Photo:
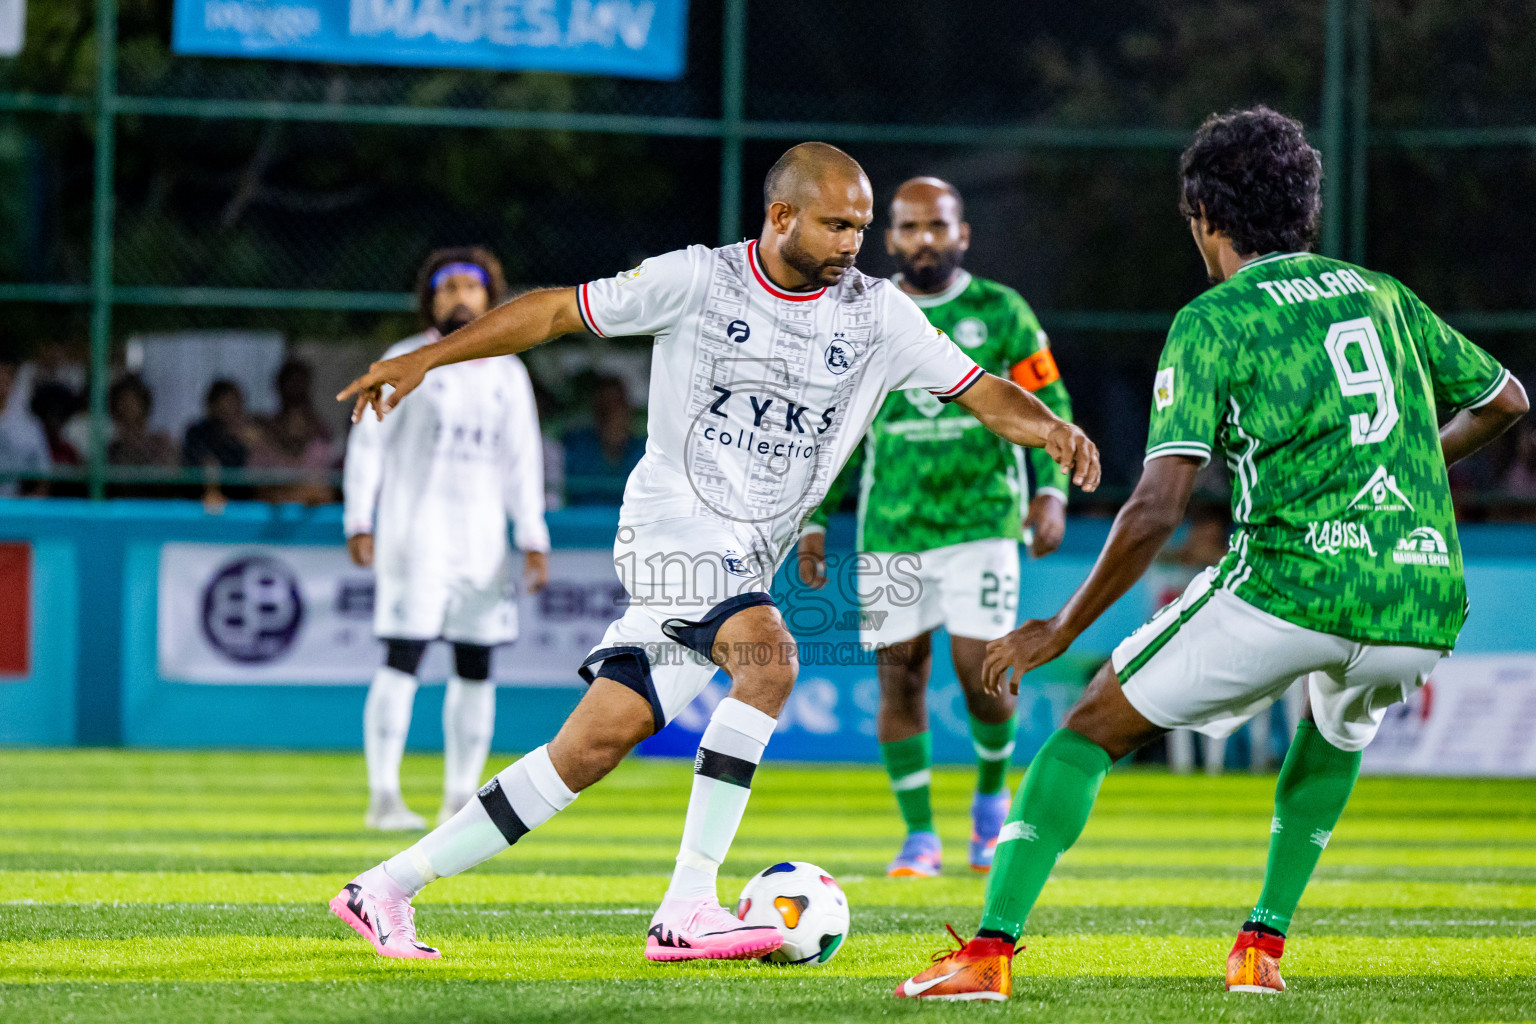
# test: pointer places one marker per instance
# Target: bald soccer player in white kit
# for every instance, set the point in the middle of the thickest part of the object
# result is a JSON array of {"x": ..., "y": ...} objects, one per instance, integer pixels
[
  {"x": 428, "y": 495},
  {"x": 770, "y": 360}
]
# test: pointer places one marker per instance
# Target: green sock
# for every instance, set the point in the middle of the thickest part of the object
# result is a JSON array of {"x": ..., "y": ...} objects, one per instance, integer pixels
[
  {"x": 1314, "y": 785},
  {"x": 1047, "y": 817},
  {"x": 994, "y": 748},
  {"x": 909, "y": 762}
]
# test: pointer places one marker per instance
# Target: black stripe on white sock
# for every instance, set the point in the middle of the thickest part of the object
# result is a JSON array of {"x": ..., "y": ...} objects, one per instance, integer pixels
[
  {"x": 725, "y": 768},
  {"x": 494, "y": 799}
]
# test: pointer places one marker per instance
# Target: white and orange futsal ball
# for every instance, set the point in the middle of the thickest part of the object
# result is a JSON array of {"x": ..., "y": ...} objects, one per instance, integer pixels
[{"x": 803, "y": 902}]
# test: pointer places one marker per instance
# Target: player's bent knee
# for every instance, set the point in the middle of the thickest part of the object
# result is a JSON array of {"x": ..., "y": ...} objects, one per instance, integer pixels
[
  {"x": 764, "y": 682},
  {"x": 773, "y": 681},
  {"x": 749, "y": 640},
  {"x": 1104, "y": 716}
]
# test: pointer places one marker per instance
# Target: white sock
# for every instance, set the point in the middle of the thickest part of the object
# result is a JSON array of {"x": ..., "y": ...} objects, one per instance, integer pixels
[
  {"x": 519, "y": 799},
  {"x": 1215, "y": 754},
  {"x": 732, "y": 746},
  {"x": 469, "y": 718},
  {"x": 386, "y": 720},
  {"x": 1181, "y": 751}
]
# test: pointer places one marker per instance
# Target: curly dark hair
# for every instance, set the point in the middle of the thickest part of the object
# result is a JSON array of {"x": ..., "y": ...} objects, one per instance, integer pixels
[
  {"x": 440, "y": 258},
  {"x": 1254, "y": 178}
]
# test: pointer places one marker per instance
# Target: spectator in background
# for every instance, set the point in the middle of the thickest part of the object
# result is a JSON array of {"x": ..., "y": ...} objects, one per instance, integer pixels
[
  {"x": 290, "y": 442},
  {"x": 52, "y": 406},
  {"x": 598, "y": 458},
  {"x": 296, "y": 405},
  {"x": 222, "y": 439},
  {"x": 53, "y": 363},
  {"x": 23, "y": 445},
  {"x": 129, "y": 403},
  {"x": 297, "y": 440}
]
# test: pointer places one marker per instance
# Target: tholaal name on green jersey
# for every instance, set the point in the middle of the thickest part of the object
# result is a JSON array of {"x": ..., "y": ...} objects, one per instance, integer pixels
[{"x": 1329, "y": 285}]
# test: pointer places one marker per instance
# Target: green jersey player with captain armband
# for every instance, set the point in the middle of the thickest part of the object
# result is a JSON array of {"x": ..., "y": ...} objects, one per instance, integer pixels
[{"x": 942, "y": 509}]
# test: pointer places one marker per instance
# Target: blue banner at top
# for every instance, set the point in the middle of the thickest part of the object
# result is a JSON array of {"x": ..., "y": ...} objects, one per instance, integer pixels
[{"x": 626, "y": 38}]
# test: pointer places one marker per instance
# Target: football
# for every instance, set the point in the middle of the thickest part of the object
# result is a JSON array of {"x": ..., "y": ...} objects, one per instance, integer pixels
[{"x": 804, "y": 903}]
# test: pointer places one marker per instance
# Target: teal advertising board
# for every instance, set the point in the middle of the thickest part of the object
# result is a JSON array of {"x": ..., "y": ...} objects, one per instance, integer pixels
[{"x": 624, "y": 38}]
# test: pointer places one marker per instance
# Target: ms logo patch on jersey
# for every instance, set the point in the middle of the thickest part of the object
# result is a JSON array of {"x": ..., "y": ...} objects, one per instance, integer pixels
[
  {"x": 1424, "y": 546},
  {"x": 1162, "y": 388},
  {"x": 252, "y": 610},
  {"x": 738, "y": 331},
  {"x": 970, "y": 332},
  {"x": 839, "y": 356}
]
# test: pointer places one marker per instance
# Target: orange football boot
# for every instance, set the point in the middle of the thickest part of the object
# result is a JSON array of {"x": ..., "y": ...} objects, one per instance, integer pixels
[
  {"x": 979, "y": 969},
  {"x": 1254, "y": 963}
]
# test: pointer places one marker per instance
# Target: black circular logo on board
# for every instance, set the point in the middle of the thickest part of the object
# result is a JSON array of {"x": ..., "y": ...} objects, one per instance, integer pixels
[
  {"x": 252, "y": 610},
  {"x": 738, "y": 331}
]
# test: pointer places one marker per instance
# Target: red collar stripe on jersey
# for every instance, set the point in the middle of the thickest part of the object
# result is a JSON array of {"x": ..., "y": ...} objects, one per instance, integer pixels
[
  {"x": 584, "y": 309},
  {"x": 773, "y": 289},
  {"x": 961, "y": 387}
]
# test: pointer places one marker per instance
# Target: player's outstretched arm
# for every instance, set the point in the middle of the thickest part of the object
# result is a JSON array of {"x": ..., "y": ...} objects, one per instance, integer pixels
[
  {"x": 1470, "y": 429},
  {"x": 517, "y": 326},
  {"x": 1015, "y": 415},
  {"x": 1155, "y": 510}
]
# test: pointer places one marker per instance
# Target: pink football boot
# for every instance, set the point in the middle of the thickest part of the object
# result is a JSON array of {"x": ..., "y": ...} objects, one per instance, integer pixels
[
  {"x": 388, "y": 922},
  {"x": 704, "y": 930}
]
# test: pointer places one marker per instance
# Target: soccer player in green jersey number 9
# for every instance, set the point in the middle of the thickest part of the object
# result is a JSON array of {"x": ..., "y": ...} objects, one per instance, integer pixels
[
  {"x": 1323, "y": 386},
  {"x": 940, "y": 519}
]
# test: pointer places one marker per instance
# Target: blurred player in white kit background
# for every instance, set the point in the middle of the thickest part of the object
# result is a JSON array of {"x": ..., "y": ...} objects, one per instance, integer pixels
[{"x": 428, "y": 494}]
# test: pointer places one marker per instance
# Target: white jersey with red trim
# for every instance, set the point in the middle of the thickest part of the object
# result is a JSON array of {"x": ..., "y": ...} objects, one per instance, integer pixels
[{"x": 759, "y": 395}]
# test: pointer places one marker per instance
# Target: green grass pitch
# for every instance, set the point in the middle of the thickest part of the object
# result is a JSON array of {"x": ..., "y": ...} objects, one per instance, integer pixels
[{"x": 192, "y": 887}]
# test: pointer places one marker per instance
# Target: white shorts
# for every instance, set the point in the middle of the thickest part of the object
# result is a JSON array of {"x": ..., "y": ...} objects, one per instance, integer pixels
[
  {"x": 684, "y": 571},
  {"x": 433, "y": 605},
  {"x": 971, "y": 589},
  {"x": 1210, "y": 661}
]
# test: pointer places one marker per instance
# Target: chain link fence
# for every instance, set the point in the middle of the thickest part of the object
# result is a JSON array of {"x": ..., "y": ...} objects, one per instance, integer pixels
[{"x": 145, "y": 195}]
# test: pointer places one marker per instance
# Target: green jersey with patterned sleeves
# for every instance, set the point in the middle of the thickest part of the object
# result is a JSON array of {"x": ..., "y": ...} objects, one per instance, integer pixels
[
  {"x": 930, "y": 474},
  {"x": 1321, "y": 384}
]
